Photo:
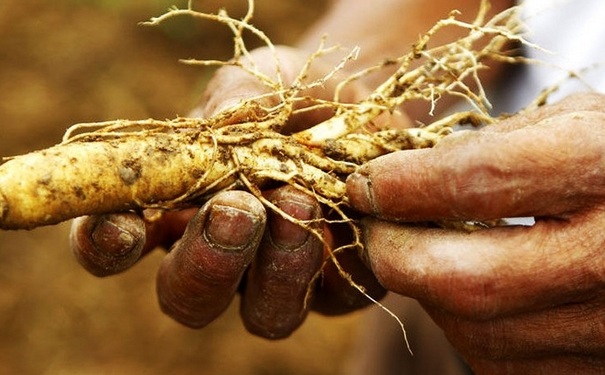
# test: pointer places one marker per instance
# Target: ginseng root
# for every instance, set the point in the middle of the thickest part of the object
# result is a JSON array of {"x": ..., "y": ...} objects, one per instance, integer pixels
[
  {"x": 170, "y": 167},
  {"x": 126, "y": 165}
]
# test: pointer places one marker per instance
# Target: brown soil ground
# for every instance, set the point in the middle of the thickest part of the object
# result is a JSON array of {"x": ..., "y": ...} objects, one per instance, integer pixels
[{"x": 69, "y": 61}]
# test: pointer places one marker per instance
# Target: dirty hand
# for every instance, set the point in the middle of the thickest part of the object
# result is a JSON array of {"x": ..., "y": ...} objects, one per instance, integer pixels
[
  {"x": 232, "y": 243},
  {"x": 515, "y": 299}
]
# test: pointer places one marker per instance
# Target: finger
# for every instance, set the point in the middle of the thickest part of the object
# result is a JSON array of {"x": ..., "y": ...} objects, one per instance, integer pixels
[
  {"x": 573, "y": 103},
  {"x": 338, "y": 291},
  {"x": 199, "y": 277},
  {"x": 108, "y": 244},
  {"x": 560, "y": 331},
  {"x": 274, "y": 300},
  {"x": 493, "y": 272},
  {"x": 229, "y": 87},
  {"x": 232, "y": 85},
  {"x": 335, "y": 294},
  {"x": 532, "y": 171},
  {"x": 165, "y": 228}
]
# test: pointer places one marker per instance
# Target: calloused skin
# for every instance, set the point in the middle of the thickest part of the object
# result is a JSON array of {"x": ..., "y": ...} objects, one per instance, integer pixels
[{"x": 514, "y": 299}]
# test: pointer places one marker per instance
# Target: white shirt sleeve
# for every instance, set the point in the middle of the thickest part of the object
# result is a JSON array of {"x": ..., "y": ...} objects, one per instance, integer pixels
[{"x": 572, "y": 34}]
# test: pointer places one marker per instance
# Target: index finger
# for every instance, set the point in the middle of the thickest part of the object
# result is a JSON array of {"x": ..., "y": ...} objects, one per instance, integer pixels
[{"x": 550, "y": 168}]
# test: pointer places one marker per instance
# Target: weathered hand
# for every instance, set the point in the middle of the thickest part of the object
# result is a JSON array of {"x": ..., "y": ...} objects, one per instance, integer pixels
[
  {"x": 514, "y": 299},
  {"x": 233, "y": 242}
]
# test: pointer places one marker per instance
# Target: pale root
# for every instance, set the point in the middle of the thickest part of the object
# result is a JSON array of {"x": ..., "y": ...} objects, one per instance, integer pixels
[
  {"x": 133, "y": 165},
  {"x": 71, "y": 180}
]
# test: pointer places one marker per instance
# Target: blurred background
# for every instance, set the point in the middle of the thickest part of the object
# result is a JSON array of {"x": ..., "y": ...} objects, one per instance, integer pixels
[{"x": 69, "y": 61}]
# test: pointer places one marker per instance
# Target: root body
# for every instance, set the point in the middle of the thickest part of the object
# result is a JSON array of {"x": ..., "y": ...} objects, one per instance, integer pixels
[
  {"x": 70, "y": 180},
  {"x": 133, "y": 165},
  {"x": 168, "y": 170}
]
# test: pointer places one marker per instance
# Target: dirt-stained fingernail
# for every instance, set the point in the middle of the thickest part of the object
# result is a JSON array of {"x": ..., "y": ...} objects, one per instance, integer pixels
[
  {"x": 287, "y": 235},
  {"x": 359, "y": 191},
  {"x": 108, "y": 244},
  {"x": 113, "y": 236},
  {"x": 231, "y": 228}
]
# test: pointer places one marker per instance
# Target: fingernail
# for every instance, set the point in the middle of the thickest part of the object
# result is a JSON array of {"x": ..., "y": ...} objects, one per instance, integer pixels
[
  {"x": 359, "y": 191},
  {"x": 112, "y": 237},
  {"x": 231, "y": 228},
  {"x": 287, "y": 235}
]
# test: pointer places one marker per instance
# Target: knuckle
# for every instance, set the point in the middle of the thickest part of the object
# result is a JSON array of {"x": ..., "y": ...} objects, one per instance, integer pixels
[{"x": 467, "y": 188}]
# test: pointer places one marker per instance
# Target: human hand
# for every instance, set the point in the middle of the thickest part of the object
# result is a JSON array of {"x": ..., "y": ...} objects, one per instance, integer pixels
[
  {"x": 232, "y": 243},
  {"x": 513, "y": 299}
]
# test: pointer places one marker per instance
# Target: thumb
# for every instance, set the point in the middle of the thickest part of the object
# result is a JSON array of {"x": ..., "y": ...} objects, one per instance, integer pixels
[{"x": 250, "y": 79}]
